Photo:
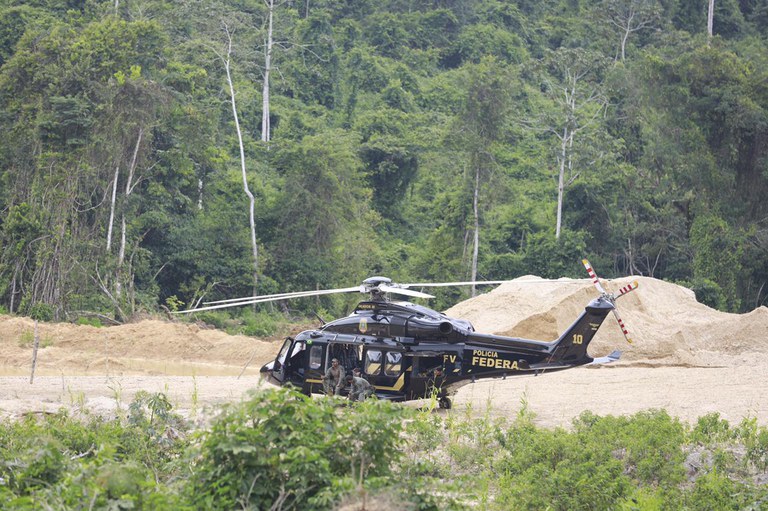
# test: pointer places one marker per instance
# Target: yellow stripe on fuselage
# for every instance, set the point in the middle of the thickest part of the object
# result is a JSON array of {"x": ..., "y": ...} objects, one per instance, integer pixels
[{"x": 397, "y": 386}]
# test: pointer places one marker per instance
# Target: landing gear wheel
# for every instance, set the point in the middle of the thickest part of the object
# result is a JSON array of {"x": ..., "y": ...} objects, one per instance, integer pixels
[{"x": 444, "y": 402}]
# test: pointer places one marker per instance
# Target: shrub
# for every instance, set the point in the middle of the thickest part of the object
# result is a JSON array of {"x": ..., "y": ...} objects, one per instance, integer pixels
[
  {"x": 649, "y": 443},
  {"x": 94, "y": 321},
  {"x": 282, "y": 446},
  {"x": 258, "y": 324},
  {"x": 711, "y": 429},
  {"x": 558, "y": 470}
]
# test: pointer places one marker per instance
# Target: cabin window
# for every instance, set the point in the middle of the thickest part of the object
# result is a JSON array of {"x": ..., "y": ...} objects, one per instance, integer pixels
[
  {"x": 315, "y": 357},
  {"x": 394, "y": 364},
  {"x": 373, "y": 362}
]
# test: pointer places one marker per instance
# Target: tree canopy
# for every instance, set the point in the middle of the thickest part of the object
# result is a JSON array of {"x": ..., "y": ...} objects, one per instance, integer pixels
[{"x": 421, "y": 140}]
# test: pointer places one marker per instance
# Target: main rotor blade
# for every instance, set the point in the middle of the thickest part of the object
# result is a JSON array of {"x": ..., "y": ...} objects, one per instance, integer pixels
[
  {"x": 403, "y": 291},
  {"x": 446, "y": 284},
  {"x": 492, "y": 282},
  {"x": 279, "y": 296},
  {"x": 593, "y": 276},
  {"x": 251, "y": 301}
]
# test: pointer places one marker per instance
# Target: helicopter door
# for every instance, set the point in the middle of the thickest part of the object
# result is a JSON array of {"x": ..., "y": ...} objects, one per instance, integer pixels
[
  {"x": 289, "y": 364},
  {"x": 278, "y": 370},
  {"x": 385, "y": 369}
]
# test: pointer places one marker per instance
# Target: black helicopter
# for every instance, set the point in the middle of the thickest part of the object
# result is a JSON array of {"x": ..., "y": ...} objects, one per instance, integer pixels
[{"x": 398, "y": 345}]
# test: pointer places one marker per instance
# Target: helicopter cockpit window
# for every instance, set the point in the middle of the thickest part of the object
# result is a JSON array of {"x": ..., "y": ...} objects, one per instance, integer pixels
[
  {"x": 373, "y": 362},
  {"x": 283, "y": 353},
  {"x": 315, "y": 357},
  {"x": 394, "y": 364},
  {"x": 297, "y": 348}
]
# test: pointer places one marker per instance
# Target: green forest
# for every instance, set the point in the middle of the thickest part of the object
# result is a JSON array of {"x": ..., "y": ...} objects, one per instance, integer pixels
[{"x": 155, "y": 153}]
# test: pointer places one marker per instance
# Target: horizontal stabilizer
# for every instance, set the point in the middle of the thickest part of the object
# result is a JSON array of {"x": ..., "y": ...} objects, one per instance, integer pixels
[{"x": 613, "y": 357}]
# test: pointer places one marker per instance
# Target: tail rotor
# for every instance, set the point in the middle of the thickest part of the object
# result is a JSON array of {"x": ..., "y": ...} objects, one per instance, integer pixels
[{"x": 611, "y": 297}]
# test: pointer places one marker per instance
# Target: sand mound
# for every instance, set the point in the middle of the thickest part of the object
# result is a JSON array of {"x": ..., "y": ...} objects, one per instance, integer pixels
[
  {"x": 667, "y": 324},
  {"x": 146, "y": 347}
]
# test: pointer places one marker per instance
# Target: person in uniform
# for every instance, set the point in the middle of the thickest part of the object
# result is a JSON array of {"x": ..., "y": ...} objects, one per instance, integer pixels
[
  {"x": 333, "y": 379},
  {"x": 360, "y": 388}
]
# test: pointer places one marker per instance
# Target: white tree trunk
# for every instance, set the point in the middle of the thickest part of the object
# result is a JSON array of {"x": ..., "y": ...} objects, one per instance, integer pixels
[
  {"x": 123, "y": 224},
  {"x": 265, "y": 126},
  {"x": 112, "y": 208},
  {"x": 624, "y": 43},
  {"x": 252, "y": 200},
  {"x": 476, "y": 240},
  {"x": 710, "y": 18},
  {"x": 561, "y": 180}
]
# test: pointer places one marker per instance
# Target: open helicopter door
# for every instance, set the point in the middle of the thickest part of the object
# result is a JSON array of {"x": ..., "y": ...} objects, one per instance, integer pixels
[{"x": 288, "y": 366}]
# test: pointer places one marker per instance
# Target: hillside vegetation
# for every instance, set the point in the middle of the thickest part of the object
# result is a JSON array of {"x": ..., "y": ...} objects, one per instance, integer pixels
[{"x": 155, "y": 152}]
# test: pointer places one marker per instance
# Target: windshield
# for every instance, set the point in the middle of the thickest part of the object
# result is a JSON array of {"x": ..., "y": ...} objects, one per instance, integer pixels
[{"x": 284, "y": 351}]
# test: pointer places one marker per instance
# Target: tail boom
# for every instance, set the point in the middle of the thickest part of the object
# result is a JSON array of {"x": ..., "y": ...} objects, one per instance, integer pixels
[{"x": 486, "y": 355}]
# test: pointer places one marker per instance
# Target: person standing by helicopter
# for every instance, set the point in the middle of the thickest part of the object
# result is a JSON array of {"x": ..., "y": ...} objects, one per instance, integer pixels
[{"x": 333, "y": 380}]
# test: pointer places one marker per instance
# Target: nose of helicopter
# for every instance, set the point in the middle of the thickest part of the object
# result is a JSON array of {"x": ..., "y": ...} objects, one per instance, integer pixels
[{"x": 266, "y": 369}]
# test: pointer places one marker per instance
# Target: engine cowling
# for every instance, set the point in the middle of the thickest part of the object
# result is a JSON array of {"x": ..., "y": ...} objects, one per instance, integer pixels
[{"x": 425, "y": 328}]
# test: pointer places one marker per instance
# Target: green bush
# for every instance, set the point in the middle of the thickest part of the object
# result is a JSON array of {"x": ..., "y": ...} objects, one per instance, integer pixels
[
  {"x": 280, "y": 448},
  {"x": 83, "y": 321},
  {"x": 556, "y": 469},
  {"x": 56, "y": 462},
  {"x": 41, "y": 312},
  {"x": 259, "y": 324},
  {"x": 649, "y": 443},
  {"x": 42, "y": 463},
  {"x": 283, "y": 446},
  {"x": 711, "y": 429}
]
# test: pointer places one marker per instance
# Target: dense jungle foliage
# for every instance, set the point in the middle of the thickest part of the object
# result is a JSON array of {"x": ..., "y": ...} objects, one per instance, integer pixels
[
  {"x": 420, "y": 140},
  {"x": 281, "y": 450}
]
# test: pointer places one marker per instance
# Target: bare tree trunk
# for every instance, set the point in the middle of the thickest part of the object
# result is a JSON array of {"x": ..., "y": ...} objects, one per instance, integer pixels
[
  {"x": 710, "y": 19},
  {"x": 476, "y": 240},
  {"x": 561, "y": 181},
  {"x": 624, "y": 44},
  {"x": 265, "y": 125},
  {"x": 35, "y": 346},
  {"x": 123, "y": 228},
  {"x": 112, "y": 208},
  {"x": 247, "y": 190},
  {"x": 13, "y": 287}
]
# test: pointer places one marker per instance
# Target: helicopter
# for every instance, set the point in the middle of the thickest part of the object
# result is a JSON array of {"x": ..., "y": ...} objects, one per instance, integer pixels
[{"x": 409, "y": 352}]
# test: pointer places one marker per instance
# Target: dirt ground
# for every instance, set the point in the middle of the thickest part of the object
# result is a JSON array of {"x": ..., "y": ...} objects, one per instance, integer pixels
[{"x": 685, "y": 358}]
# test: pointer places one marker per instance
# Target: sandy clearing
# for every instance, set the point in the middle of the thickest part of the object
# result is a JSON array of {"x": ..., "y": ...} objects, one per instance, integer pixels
[{"x": 686, "y": 358}]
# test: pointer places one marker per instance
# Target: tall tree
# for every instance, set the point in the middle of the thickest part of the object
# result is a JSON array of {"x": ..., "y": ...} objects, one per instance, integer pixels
[
  {"x": 482, "y": 121},
  {"x": 226, "y": 59},
  {"x": 577, "y": 101},
  {"x": 268, "y": 45}
]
